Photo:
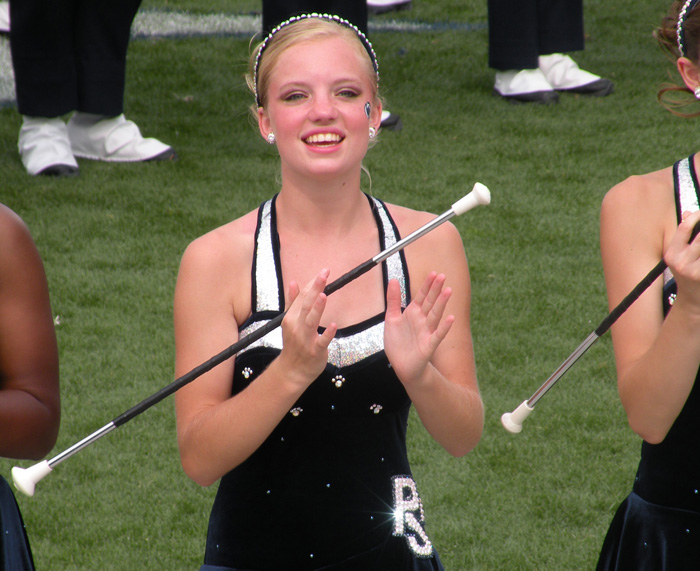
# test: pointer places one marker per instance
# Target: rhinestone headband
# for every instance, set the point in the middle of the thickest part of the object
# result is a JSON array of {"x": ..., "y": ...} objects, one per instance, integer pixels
[
  {"x": 687, "y": 7},
  {"x": 292, "y": 20}
]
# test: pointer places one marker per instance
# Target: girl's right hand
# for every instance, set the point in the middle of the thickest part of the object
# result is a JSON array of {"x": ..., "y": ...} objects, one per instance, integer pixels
[
  {"x": 305, "y": 352},
  {"x": 683, "y": 258}
]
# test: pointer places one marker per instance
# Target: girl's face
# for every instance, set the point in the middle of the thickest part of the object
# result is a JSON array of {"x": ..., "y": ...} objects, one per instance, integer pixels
[{"x": 316, "y": 107}]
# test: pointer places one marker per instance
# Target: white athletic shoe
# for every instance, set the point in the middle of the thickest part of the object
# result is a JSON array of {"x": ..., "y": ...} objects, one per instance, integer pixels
[
  {"x": 4, "y": 17},
  {"x": 113, "y": 139},
  {"x": 381, "y": 6},
  {"x": 564, "y": 74},
  {"x": 391, "y": 121},
  {"x": 44, "y": 147},
  {"x": 524, "y": 86}
]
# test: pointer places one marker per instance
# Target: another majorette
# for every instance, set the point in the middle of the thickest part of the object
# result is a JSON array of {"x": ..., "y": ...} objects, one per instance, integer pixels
[{"x": 657, "y": 340}]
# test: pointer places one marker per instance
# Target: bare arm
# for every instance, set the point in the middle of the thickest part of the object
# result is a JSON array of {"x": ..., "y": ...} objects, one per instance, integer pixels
[
  {"x": 216, "y": 431},
  {"x": 430, "y": 344},
  {"x": 29, "y": 387},
  {"x": 657, "y": 359}
]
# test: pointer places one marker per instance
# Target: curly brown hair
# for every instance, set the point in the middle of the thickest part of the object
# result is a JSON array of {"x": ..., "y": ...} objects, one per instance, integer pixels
[{"x": 677, "y": 97}]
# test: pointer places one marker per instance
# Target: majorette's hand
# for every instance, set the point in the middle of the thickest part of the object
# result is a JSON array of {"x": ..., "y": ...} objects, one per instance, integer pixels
[
  {"x": 683, "y": 258},
  {"x": 305, "y": 352},
  {"x": 412, "y": 336}
]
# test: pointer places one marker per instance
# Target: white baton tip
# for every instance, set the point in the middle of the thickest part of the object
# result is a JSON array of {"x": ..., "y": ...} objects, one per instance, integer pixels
[
  {"x": 478, "y": 195},
  {"x": 513, "y": 421},
  {"x": 25, "y": 479}
]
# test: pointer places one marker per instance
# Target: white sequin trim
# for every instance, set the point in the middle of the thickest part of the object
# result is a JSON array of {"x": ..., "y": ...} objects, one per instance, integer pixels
[
  {"x": 393, "y": 263},
  {"x": 267, "y": 293},
  {"x": 342, "y": 351},
  {"x": 688, "y": 196},
  {"x": 272, "y": 339}
]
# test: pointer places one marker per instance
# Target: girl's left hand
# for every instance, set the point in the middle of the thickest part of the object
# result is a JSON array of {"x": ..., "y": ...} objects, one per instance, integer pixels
[{"x": 412, "y": 336}]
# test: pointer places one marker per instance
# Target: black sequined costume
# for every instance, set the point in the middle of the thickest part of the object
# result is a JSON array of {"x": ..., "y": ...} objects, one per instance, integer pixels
[
  {"x": 15, "y": 552},
  {"x": 331, "y": 487},
  {"x": 657, "y": 527}
]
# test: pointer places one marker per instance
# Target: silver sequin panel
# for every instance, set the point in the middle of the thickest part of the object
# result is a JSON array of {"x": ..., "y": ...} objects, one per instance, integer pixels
[
  {"x": 688, "y": 197},
  {"x": 342, "y": 351},
  {"x": 394, "y": 267},
  {"x": 268, "y": 297}
]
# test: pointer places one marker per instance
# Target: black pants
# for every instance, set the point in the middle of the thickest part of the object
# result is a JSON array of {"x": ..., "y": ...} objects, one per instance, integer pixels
[
  {"x": 277, "y": 11},
  {"x": 70, "y": 55},
  {"x": 522, "y": 30}
]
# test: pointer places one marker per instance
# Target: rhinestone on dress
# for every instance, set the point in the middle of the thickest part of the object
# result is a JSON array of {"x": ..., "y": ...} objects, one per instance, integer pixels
[{"x": 409, "y": 517}]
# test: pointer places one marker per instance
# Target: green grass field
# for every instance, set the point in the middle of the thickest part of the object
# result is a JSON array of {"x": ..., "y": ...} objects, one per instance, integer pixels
[{"x": 112, "y": 238}]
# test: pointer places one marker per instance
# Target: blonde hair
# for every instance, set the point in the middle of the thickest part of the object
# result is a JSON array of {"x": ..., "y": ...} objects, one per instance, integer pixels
[{"x": 306, "y": 28}]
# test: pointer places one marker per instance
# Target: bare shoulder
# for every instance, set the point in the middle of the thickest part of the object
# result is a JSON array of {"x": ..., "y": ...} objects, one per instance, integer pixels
[
  {"x": 215, "y": 271},
  {"x": 18, "y": 248},
  {"x": 13, "y": 230},
  {"x": 640, "y": 211},
  {"x": 647, "y": 192},
  {"x": 407, "y": 220},
  {"x": 403, "y": 215},
  {"x": 440, "y": 250},
  {"x": 224, "y": 247}
]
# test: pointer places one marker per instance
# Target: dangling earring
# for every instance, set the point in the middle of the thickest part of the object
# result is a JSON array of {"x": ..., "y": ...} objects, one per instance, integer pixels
[
  {"x": 373, "y": 132},
  {"x": 271, "y": 138}
]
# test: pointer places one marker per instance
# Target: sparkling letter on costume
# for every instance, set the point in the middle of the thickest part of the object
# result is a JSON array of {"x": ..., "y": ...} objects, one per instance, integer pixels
[{"x": 409, "y": 516}]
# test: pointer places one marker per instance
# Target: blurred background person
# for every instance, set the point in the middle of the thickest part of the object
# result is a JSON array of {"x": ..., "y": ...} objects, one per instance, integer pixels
[
  {"x": 383, "y": 6},
  {"x": 70, "y": 55},
  {"x": 527, "y": 39}
]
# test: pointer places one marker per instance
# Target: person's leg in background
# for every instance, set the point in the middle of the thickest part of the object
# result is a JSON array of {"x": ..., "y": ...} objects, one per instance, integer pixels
[
  {"x": 275, "y": 12},
  {"x": 70, "y": 55},
  {"x": 45, "y": 82},
  {"x": 98, "y": 130},
  {"x": 527, "y": 39}
]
